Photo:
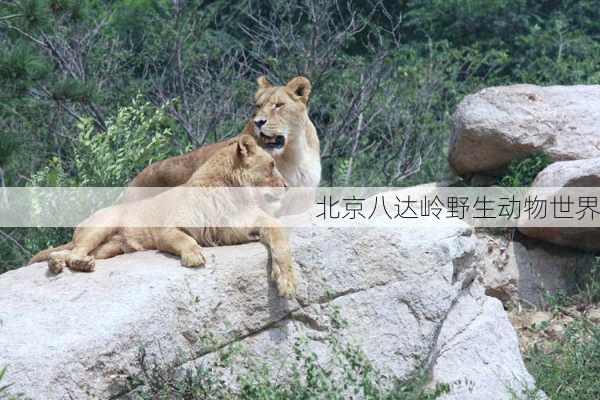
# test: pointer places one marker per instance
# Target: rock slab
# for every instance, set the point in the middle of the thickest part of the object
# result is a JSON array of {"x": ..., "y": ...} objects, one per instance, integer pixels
[
  {"x": 555, "y": 177},
  {"x": 524, "y": 271},
  {"x": 499, "y": 124},
  {"x": 410, "y": 299}
]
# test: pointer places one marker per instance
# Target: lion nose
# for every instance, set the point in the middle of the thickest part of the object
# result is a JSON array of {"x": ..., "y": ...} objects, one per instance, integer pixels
[{"x": 260, "y": 122}]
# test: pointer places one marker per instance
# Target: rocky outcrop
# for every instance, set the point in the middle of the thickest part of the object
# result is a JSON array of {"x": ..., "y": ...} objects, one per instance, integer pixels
[
  {"x": 578, "y": 173},
  {"x": 500, "y": 124},
  {"x": 527, "y": 272},
  {"x": 410, "y": 299}
]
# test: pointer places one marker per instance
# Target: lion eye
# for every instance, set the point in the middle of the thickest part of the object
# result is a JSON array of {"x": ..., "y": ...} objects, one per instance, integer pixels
[{"x": 279, "y": 105}]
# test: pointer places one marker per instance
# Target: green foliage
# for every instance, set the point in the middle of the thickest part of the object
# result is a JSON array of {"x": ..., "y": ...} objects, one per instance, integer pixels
[
  {"x": 8, "y": 144},
  {"x": 571, "y": 369},
  {"x": 139, "y": 135},
  {"x": 521, "y": 173},
  {"x": 73, "y": 90},
  {"x": 20, "y": 68},
  {"x": 113, "y": 50}
]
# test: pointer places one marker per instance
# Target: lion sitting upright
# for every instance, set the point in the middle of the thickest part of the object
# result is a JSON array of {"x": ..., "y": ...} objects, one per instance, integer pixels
[
  {"x": 182, "y": 220},
  {"x": 280, "y": 125}
]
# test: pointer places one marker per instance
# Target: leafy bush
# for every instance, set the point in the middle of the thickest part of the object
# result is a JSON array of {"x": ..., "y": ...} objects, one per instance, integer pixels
[
  {"x": 522, "y": 173},
  {"x": 137, "y": 136}
]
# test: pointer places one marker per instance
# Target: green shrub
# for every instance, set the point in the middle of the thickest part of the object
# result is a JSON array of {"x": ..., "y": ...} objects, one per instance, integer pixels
[
  {"x": 522, "y": 173},
  {"x": 137, "y": 136}
]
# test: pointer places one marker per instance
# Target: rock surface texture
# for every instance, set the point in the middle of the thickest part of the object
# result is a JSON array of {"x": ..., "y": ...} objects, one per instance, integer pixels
[
  {"x": 410, "y": 299},
  {"x": 578, "y": 173},
  {"x": 521, "y": 270},
  {"x": 499, "y": 124}
]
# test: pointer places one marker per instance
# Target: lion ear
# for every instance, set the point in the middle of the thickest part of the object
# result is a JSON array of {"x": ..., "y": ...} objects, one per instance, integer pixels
[
  {"x": 263, "y": 82},
  {"x": 301, "y": 87},
  {"x": 246, "y": 146}
]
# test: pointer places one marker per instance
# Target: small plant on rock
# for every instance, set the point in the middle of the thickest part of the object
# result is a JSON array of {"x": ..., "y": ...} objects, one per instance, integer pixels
[{"x": 522, "y": 173}]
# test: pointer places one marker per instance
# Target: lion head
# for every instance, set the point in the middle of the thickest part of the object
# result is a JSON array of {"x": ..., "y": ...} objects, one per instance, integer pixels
[
  {"x": 281, "y": 113},
  {"x": 257, "y": 169}
]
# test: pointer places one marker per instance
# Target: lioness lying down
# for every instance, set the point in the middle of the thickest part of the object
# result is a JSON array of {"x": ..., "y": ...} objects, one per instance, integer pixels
[{"x": 122, "y": 228}]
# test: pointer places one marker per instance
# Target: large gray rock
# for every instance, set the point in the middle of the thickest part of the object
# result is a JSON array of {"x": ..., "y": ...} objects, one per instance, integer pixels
[
  {"x": 565, "y": 174},
  {"x": 525, "y": 271},
  {"x": 577, "y": 173},
  {"x": 500, "y": 124},
  {"x": 409, "y": 297}
]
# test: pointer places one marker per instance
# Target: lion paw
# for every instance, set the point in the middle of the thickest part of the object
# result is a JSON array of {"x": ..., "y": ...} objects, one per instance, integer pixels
[
  {"x": 57, "y": 262},
  {"x": 193, "y": 260},
  {"x": 286, "y": 287},
  {"x": 82, "y": 264}
]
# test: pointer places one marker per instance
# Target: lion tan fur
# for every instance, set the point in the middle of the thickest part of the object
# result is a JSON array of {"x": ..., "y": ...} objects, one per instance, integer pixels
[
  {"x": 284, "y": 110},
  {"x": 185, "y": 228}
]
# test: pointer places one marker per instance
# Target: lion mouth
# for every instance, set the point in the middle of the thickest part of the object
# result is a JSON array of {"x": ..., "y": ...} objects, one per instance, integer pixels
[{"x": 273, "y": 142}]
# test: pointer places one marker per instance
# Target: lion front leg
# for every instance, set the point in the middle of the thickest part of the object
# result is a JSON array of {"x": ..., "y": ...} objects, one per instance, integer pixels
[
  {"x": 275, "y": 238},
  {"x": 176, "y": 241}
]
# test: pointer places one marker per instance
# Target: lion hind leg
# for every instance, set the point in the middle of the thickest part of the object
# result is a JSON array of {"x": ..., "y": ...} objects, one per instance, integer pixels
[
  {"x": 60, "y": 260},
  {"x": 108, "y": 249},
  {"x": 85, "y": 241}
]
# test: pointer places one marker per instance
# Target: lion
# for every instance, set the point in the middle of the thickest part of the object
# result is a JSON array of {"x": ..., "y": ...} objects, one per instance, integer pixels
[
  {"x": 280, "y": 125},
  {"x": 184, "y": 220}
]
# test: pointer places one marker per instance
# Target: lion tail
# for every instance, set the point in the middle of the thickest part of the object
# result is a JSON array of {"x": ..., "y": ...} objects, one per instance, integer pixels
[{"x": 44, "y": 254}]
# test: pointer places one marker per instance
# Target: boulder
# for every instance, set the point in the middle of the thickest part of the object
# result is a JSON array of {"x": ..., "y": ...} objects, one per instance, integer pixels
[
  {"x": 409, "y": 298},
  {"x": 500, "y": 124},
  {"x": 525, "y": 271},
  {"x": 578, "y": 173}
]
